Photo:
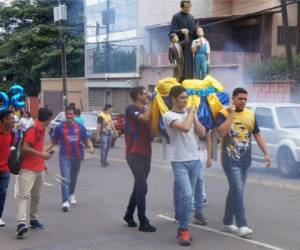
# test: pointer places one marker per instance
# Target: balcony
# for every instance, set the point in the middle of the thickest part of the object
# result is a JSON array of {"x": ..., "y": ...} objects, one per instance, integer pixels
[{"x": 218, "y": 58}]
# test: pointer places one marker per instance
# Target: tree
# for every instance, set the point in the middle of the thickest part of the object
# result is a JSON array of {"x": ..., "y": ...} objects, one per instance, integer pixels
[{"x": 29, "y": 42}]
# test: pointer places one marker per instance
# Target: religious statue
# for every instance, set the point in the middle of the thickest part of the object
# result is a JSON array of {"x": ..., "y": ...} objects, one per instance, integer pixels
[
  {"x": 201, "y": 51},
  {"x": 184, "y": 24}
]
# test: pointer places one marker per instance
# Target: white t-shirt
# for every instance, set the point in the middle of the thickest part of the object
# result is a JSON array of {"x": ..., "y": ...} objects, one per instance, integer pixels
[
  {"x": 26, "y": 123},
  {"x": 202, "y": 144},
  {"x": 184, "y": 146}
]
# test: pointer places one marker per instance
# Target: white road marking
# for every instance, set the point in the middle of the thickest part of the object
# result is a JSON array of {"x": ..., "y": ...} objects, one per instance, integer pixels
[
  {"x": 48, "y": 184},
  {"x": 292, "y": 187},
  {"x": 254, "y": 242}
]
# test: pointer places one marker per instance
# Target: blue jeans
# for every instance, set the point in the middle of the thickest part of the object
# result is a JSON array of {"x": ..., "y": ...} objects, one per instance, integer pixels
[
  {"x": 105, "y": 146},
  {"x": 185, "y": 177},
  {"x": 199, "y": 192},
  {"x": 69, "y": 169},
  {"x": 4, "y": 181},
  {"x": 236, "y": 176}
]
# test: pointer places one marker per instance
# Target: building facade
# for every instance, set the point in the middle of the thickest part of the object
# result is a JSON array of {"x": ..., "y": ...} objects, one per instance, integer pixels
[{"x": 127, "y": 42}]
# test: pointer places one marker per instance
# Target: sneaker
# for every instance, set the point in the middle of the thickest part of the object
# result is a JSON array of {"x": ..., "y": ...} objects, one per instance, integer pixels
[
  {"x": 147, "y": 227},
  {"x": 72, "y": 199},
  {"x": 35, "y": 224},
  {"x": 2, "y": 223},
  {"x": 21, "y": 230},
  {"x": 204, "y": 203},
  {"x": 230, "y": 229},
  {"x": 200, "y": 219},
  {"x": 130, "y": 221},
  {"x": 183, "y": 237},
  {"x": 245, "y": 231},
  {"x": 65, "y": 206},
  {"x": 104, "y": 164}
]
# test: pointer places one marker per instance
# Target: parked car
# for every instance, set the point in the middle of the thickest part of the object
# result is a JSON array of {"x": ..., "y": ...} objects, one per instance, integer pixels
[
  {"x": 118, "y": 120},
  {"x": 280, "y": 125},
  {"x": 90, "y": 122}
]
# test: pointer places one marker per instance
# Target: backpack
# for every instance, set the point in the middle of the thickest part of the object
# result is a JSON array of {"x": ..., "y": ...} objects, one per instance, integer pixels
[{"x": 15, "y": 155}]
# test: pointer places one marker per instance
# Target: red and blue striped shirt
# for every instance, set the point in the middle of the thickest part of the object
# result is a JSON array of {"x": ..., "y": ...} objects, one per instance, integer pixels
[
  {"x": 70, "y": 135},
  {"x": 137, "y": 133}
]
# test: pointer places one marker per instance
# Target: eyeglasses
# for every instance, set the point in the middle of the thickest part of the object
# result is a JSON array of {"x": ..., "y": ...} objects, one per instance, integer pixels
[{"x": 183, "y": 97}]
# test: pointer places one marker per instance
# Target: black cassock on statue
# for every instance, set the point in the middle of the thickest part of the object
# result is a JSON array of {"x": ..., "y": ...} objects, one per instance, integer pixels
[{"x": 185, "y": 21}]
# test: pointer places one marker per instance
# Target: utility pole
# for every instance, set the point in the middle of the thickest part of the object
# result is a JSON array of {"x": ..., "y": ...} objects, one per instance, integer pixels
[
  {"x": 60, "y": 15},
  {"x": 298, "y": 27},
  {"x": 107, "y": 67},
  {"x": 287, "y": 38}
]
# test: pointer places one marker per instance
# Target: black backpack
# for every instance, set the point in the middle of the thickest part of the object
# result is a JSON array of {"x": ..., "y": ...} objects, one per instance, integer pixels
[{"x": 15, "y": 155}]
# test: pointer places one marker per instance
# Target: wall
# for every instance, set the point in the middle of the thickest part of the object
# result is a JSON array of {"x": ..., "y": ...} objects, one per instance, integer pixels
[
  {"x": 242, "y": 7},
  {"x": 76, "y": 91},
  {"x": 273, "y": 91}
]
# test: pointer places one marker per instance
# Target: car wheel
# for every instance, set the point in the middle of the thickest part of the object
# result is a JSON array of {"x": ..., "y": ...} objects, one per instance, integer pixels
[{"x": 287, "y": 164}]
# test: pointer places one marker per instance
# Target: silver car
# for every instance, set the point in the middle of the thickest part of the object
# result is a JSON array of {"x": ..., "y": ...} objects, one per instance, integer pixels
[
  {"x": 90, "y": 122},
  {"x": 280, "y": 126}
]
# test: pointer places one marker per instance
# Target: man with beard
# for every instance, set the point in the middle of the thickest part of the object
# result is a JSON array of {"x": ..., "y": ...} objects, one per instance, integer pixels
[
  {"x": 236, "y": 125},
  {"x": 138, "y": 155}
]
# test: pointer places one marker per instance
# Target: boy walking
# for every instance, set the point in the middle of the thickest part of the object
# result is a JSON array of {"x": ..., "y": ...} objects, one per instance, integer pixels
[
  {"x": 6, "y": 125},
  {"x": 31, "y": 173},
  {"x": 183, "y": 129},
  {"x": 69, "y": 135}
]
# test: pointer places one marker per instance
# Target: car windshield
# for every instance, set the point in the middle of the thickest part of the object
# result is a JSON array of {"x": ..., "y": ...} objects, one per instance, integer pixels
[
  {"x": 89, "y": 118},
  {"x": 289, "y": 117}
]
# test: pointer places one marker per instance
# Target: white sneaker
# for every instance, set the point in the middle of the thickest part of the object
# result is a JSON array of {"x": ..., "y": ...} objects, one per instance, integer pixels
[
  {"x": 244, "y": 231},
  {"x": 72, "y": 199},
  {"x": 2, "y": 223},
  {"x": 66, "y": 206},
  {"x": 230, "y": 229}
]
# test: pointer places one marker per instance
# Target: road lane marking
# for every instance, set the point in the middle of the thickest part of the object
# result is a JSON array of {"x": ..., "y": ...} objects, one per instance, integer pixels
[
  {"x": 286, "y": 186},
  {"x": 48, "y": 184},
  {"x": 254, "y": 242}
]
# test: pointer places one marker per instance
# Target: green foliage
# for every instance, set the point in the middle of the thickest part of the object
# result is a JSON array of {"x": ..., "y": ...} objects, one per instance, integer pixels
[
  {"x": 273, "y": 69},
  {"x": 30, "y": 44}
]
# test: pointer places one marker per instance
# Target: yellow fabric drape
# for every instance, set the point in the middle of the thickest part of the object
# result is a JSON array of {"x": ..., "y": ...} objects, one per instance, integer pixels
[
  {"x": 163, "y": 88},
  {"x": 158, "y": 105}
]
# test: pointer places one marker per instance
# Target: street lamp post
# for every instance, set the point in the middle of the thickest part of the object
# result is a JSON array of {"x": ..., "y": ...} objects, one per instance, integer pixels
[{"x": 60, "y": 15}]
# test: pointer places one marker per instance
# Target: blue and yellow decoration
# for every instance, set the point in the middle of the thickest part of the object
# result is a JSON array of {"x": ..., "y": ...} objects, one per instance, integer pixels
[
  {"x": 206, "y": 95},
  {"x": 17, "y": 95}
]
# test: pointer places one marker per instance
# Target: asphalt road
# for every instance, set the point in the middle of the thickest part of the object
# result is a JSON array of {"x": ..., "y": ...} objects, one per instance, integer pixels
[{"x": 272, "y": 205}]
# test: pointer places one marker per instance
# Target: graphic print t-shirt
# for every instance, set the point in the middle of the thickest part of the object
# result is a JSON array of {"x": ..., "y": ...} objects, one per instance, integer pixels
[{"x": 236, "y": 147}]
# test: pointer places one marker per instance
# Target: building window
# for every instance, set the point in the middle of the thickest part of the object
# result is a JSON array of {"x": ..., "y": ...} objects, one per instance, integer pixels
[
  {"x": 246, "y": 39},
  {"x": 112, "y": 48},
  {"x": 292, "y": 35}
]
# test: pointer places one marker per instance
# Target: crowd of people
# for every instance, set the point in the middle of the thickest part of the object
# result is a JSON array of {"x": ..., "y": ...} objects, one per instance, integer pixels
[
  {"x": 190, "y": 141},
  {"x": 190, "y": 144}
]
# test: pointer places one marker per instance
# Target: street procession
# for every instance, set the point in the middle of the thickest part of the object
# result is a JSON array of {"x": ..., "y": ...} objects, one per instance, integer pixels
[{"x": 126, "y": 124}]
